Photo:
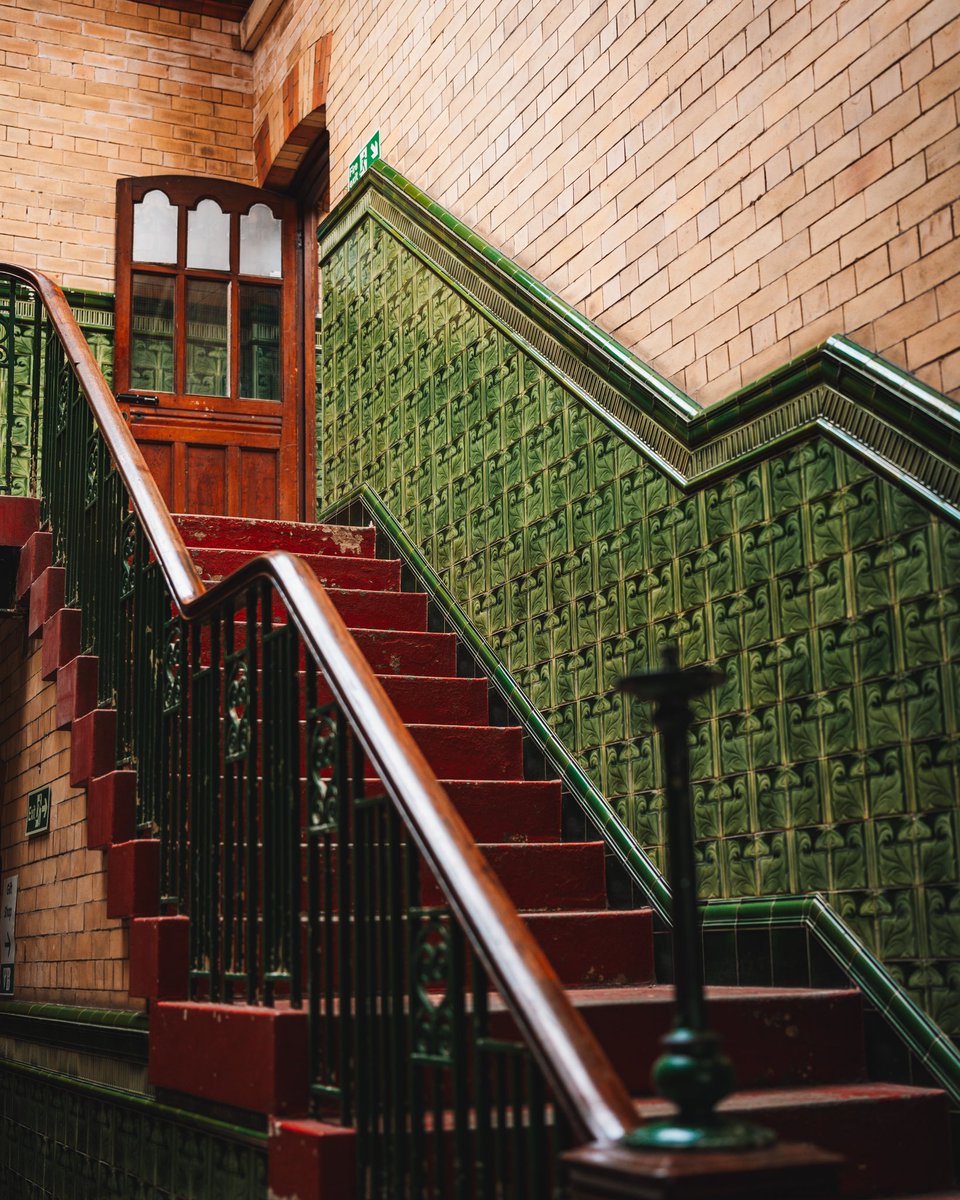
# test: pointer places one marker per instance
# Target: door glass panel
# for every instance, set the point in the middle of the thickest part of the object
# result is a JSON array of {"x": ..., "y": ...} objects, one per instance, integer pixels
[
  {"x": 151, "y": 333},
  {"x": 207, "y": 327},
  {"x": 259, "y": 342},
  {"x": 155, "y": 229},
  {"x": 208, "y": 237},
  {"x": 260, "y": 242}
]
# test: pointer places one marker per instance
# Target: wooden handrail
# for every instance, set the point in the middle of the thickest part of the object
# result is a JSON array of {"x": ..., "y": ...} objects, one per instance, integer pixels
[{"x": 594, "y": 1098}]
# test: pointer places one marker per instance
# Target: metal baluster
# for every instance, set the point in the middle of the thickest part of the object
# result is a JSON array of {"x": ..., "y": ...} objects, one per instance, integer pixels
[{"x": 484, "y": 1136}]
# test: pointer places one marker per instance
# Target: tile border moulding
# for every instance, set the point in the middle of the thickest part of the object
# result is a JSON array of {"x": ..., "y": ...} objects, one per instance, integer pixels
[{"x": 905, "y": 430}]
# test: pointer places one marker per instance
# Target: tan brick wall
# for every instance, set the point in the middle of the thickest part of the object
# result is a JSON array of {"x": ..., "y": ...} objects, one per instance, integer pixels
[
  {"x": 68, "y": 951},
  {"x": 720, "y": 184},
  {"x": 91, "y": 90}
]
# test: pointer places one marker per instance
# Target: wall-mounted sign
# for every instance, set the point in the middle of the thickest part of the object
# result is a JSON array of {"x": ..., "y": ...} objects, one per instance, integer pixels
[
  {"x": 38, "y": 812},
  {"x": 369, "y": 154},
  {"x": 8, "y": 934}
]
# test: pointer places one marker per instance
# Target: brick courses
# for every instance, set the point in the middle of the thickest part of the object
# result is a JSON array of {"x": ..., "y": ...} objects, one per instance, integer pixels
[
  {"x": 784, "y": 169},
  {"x": 623, "y": 151},
  {"x": 91, "y": 91},
  {"x": 68, "y": 950}
]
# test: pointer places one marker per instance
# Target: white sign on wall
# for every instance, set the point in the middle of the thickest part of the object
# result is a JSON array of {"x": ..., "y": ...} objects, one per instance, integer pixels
[{"x": 8, "y": 934}]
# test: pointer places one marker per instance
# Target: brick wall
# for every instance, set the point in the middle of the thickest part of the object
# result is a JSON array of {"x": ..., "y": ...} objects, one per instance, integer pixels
[
  {"x": 720, "y": 185},
  {"x": 68, "y": 951},
  {"x": 91, "y": 91}
]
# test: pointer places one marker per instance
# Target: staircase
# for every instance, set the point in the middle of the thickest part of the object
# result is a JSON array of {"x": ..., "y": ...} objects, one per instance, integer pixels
[{"x": 799, "y": 1053}]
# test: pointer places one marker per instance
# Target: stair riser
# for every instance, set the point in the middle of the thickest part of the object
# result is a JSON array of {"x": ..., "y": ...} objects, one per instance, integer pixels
[
  {"x": 453, "y": 751},
  {"x": 433, "y": 701},
  {"x": 597, "y": 949},
  {"x": 894, "y": 1147},
  {"x": 543, "y": 877},
  {"x": 370, "y": 574},
  {"x": 463, "y": 752},
  {"x": 508, "y": 811},
  {"x": 238, "y": 533},
  {"x": 389, "y": 652},
  {"x": 360, "y": 609},
  {"x": 814, "y": 1039}
]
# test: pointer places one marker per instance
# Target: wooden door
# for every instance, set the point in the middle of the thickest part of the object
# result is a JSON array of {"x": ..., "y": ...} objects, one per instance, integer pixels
[{"x": 206, "y": 360}]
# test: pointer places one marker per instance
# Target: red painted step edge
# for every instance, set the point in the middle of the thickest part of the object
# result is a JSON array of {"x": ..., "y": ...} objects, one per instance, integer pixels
[
  {"x": 308, "y": 1160},
  {"x": 256, "y": 535},
  {"x": 19, "y": 518},
  {"x": 160, "y": 958},
  {"x": 46, "y": 596},
  {"x": 253, "y": 1058},
  {"x": 35, "y": 557},
  {"x": 133, "y": 878},
  {"x": 61, "y": 641},
  {"x": 111, "y": 809}
]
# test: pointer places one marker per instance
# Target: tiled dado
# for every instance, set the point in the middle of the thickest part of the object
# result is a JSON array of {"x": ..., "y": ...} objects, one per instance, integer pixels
[
  {"x": 59, "y": 1138},
  {"x": 828, "y": 760}
]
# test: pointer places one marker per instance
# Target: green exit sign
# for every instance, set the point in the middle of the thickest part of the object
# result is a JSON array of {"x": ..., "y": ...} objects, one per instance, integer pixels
[
  {"x": 38, "y": 812},
  {"x": 369, "y": 154}
]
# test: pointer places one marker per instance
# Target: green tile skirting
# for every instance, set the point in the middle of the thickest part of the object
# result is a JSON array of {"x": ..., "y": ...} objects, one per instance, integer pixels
[
  {"x": 803, "y": 535},
  {"x": 60, "y": 1137}
]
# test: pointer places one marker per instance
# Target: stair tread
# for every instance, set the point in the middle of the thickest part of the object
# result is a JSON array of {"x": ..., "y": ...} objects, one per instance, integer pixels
[{"x": 235, "y": 533}]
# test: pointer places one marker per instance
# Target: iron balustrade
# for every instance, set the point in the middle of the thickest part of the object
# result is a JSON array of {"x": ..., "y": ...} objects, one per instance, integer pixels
[
  {"x": 21, "y": 354},
  {"x": 320, "y": 862}
]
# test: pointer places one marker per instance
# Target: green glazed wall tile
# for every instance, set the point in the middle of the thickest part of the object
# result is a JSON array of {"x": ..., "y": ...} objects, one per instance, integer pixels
[{"x": 828, "y": 759}]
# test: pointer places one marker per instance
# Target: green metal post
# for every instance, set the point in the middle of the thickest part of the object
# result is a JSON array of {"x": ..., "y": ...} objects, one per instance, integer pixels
[{"x": 692, "y": 1072}]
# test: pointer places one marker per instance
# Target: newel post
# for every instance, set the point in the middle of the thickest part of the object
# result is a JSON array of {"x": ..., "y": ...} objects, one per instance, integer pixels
[{"x": 694, "y": 1152}]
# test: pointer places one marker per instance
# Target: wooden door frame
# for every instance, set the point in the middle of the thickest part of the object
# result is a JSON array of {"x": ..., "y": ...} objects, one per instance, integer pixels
[{"x": 186, "y": 192}]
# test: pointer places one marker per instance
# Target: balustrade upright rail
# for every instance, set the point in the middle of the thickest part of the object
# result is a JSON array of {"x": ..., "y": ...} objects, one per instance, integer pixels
[{"x": 304, "y": 834}]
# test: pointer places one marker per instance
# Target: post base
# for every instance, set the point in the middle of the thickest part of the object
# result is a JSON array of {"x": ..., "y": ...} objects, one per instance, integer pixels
[
  {"x": 713, "y": 1133},
  {"x": 788, "y": 1171}
]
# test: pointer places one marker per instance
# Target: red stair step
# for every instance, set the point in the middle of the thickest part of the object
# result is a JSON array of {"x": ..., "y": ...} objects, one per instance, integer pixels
[
  {"x": 311, "y": 1160},
  {"x": 363, "y": 609},
  {"x": 599, "y": 948},
  {"x": 254, "y": 1058},
  {"x": 774, "y": 1036},
  {"x": 500, "y": 810},
  {"x": 341, "y": 571},
  {"x": 508, "y": 810},
  {"x": 400, "y": 653},
  {"x": 895, "y": 1138},
  {"x": 46, "y": 597},
  {"x": 432, "y": 700},
  {"x": 35, "y": 557},
  {"x": 542, "y": 875},
  {"x": 19, "y": 518},
  {"x": 251, "y": 533},
  {"x": 61, "y": 641},
  {"x": 470, "y": 751}
]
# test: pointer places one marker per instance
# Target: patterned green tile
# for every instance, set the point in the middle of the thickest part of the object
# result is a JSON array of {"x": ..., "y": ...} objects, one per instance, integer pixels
[{"x": 829, "y": 759}]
